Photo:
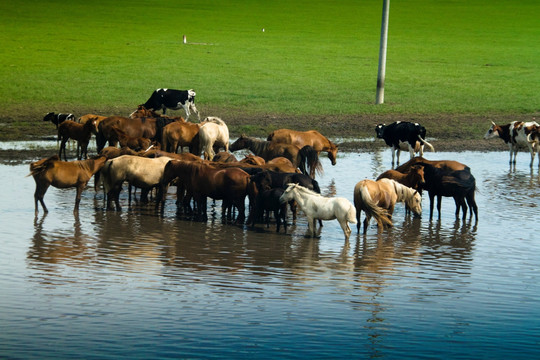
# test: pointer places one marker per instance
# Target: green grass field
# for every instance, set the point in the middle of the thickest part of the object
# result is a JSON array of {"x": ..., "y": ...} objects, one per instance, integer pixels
[{"x": 314, "y": 57}]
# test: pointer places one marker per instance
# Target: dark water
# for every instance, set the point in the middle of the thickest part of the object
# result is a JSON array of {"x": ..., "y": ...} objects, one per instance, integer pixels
[{"x": 136, "y": 285}]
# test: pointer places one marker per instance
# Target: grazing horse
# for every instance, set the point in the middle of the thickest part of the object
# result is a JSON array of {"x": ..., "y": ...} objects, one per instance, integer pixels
[
  {"x": 414, "y": 178},
  {"x": 213, "y": 135},
  {"x": 378, "y": 199},
  {"x": 138, "y": 171},
  {"x": 179, "y": 134},
  {"x": 312, "y": 138},
  {"x": 303, "y": 158},
  {"x": 202, "y": 181},
  {"x": 255, "y": 160},
  {"x": 316, "y": 206},
  {"x": 80, "y": 132},
  {"x": 63, "y": 174},
  {"x": 57, "y": 119},
  {"x": 459, "y": 184}
]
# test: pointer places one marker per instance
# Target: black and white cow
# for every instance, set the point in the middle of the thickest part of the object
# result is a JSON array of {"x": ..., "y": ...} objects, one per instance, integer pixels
[
  {"x": 57, "y": 119},
  {"x": 163, "y": 99},
  {"x": 404, "y": 135}
]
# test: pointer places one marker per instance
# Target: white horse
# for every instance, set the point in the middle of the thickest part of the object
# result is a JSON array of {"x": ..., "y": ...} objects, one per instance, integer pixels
[
  {"x": 316, "y": 206},
  {"x": 213, "y": 135}
]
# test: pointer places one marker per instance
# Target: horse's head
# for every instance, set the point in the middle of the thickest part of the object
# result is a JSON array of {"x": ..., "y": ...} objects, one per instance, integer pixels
[
  {"x": 418, "y": 173},
  {"x": 493, "y": 131},
  {"x": 239, "y": 144},
  {"x": 332, "y": 153},
  {"x": 415, "y": 203},
  {"x": 288, "y": 194}
]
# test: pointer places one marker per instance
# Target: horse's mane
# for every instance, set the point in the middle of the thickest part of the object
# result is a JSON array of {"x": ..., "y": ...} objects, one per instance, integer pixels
[{"x": 303, "y": 189}]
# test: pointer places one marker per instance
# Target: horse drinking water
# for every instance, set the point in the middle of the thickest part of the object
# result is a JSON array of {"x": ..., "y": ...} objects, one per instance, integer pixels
[{"x": 316, "y": 206}]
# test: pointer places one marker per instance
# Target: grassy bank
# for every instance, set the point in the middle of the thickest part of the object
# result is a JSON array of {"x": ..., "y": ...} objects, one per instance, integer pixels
[{"x": 315, "y": 63}]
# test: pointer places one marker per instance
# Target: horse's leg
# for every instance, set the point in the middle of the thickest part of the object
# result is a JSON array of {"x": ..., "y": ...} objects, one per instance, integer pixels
[
  {"x": 38, "y": 196},
  {"x": 311, "y": 226},
  {"x": 358, "y": 211},
  {"x": 346, "y": 229},
  {"x": 144, "y": 195},
  {"x": 80, "y": 189},
  {"x": 439, "y": 201},
  {"x": 366, "y": 222},
  {"x": 431, "y": 203}
]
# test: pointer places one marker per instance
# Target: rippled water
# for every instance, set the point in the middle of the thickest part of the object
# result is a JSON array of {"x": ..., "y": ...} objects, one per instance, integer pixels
[{"x": 137, "y": 285}]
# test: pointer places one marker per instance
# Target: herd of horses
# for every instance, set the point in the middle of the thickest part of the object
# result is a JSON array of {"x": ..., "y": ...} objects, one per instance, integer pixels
[{"x": 278, "y": 174}]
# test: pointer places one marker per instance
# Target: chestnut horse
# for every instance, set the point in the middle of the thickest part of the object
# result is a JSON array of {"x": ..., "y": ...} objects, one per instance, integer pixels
[
  {"x": 414, "y": 178},
  {"x": 179, "y": 134},
  {"x": 304, "y": 158},
  {"x": 378, "y": 199},
  {"x": 62, "y": 175},
  {"x": 79, "y": 132},
  {"x": 312, "y": 138}
]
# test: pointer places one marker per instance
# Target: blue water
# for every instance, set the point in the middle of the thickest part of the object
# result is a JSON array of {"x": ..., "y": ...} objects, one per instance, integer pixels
[{"x": 136, "y": 285}]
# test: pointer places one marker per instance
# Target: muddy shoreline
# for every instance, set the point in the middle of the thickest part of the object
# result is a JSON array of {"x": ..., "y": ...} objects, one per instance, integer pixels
[{"x": 353, "y": 133}]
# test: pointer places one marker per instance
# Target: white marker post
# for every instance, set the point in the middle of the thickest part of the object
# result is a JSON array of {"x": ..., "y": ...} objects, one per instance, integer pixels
[
  {"x": 382, "y": 52},
  {"x": 185, "y": 39}
]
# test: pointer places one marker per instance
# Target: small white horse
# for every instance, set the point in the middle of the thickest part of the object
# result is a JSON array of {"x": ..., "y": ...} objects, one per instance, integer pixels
[
  {"x": 213, "y": 135},
  {"x": 316, "y": 206}
]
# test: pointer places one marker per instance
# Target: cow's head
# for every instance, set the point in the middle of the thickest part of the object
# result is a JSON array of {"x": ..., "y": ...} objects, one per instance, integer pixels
[
  {"x": 493, "y": 131},
  {"x": 379, "y": 129}
]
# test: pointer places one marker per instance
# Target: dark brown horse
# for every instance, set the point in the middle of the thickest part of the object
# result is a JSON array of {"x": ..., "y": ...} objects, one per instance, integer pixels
[
  {"x": 202, "y": 181},
  {"x": 62, "y": 175},
  {"x": 303, "y": 158},
  {"x": 313, "y": 138},
  {"x": 135, "y": 143},
  {"x": 441, "y": 164}
]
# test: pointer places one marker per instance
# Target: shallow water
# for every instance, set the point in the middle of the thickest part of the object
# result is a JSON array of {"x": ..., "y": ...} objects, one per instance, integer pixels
[{"x": 137, "y": 285}]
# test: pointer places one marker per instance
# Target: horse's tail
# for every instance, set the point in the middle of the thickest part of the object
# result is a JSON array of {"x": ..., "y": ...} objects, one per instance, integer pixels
[
  {"x": 100, "y": 141},
  {"x": 380, "y": 214},
  {"x": 351, "y": 214},
  {"x": 42, "y": 165},
  {"x": 309, "y": 159},
  {"x": 423, "y": 141}
]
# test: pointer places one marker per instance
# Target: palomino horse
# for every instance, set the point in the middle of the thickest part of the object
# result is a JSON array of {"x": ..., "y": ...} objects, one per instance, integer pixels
[
  {"x": 303, "y": 158},
  {"x": 63, "y": 174},
  {"x": 213, "y": 135},
  {"x": 378, "y": 199},
  {"x": 312, "y": 138},
  {"x": 138, "y": 171},
  {"x": 316, "y": 206}
]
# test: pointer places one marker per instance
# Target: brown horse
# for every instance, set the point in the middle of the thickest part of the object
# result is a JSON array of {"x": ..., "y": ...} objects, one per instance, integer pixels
[
  {"x": 313, "y": 138},
  {"x": 414, "y": 178},
  {"x": 132, "y": 127},
  {"x": 79, "y": 132},
  {"x": 304, "y": 158},
  {"x": 224, "y": 156},
  {"x": 135, "y": 143},
  {"x": 62, "y": 174},
  {"x": 441, "y": 164},
  {"x": 378, "y": 199},
  {"x": 143, "y": 112},
  {"x": 179, "y": 134},
  {"x": 255, "y": 160},
  {"x": 202, "y": 181}
]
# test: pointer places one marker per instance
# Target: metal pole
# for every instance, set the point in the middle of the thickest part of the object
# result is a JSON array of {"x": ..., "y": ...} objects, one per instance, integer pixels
[{"x": 382, "y": 52}]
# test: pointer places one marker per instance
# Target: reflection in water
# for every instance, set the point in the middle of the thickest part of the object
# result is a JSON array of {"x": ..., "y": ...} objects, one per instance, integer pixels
[{"x": 410, "y": 289}]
